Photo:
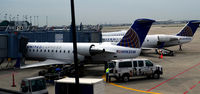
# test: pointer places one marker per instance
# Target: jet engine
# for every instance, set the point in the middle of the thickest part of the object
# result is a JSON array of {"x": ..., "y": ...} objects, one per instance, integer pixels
[
  {"x": 166, "y": 38},
  {"x": 89, "y": 49}
]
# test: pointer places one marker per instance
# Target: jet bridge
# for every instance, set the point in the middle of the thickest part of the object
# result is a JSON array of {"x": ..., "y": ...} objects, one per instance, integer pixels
[{"x": 13, "y": 46}]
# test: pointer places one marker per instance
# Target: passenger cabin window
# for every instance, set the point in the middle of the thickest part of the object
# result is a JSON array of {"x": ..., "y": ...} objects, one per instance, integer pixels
[
  {"x": 140, "y": 63},
  {"x": 60, "y": 51},
  {"x": 52, "y": 51},
  {"x": 48, "y": 50},
  {"x": 148, "y": 63},
  {"x": 125, "y": 64},
  {"x": 41, "y": 50},
  {"x": 64, "y": 51},
  {"x": 135, "y": 63}
]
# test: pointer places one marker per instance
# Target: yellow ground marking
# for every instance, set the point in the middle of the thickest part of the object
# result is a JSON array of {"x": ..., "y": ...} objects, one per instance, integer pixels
[{"x": 132, "y": 89}]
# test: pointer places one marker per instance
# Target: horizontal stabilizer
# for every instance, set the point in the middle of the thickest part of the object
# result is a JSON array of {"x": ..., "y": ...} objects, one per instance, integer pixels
[
  {"x": 46, "y": 63},
  {"x": 146, "y": 49}
]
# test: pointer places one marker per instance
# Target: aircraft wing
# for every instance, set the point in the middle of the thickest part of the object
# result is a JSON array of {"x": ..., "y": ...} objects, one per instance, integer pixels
[
  {"x": 46, "y": 63},
  {"x": 146, "y": 49}
]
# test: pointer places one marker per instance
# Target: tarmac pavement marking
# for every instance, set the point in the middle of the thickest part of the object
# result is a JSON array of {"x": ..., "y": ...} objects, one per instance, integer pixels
[
  {"x": 191, "y": 88},
  {"x": 7, "y": 75},
  {"x": 173, "y": 77},
  {"x": 132, "y": 89}
]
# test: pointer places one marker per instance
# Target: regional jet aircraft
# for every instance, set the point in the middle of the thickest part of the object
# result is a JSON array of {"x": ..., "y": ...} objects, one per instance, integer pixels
[
  {"x": 160, "y": 40},
  {"x": 62, "y": 53}
]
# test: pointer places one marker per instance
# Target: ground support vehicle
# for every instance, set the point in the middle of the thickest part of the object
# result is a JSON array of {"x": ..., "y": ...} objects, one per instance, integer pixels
[
  {"x": 56, "y": 72},
  {"x": 165, "y": 52},
  {"x": 124, "y": 69},
  {"x": 34, "y": 85}
]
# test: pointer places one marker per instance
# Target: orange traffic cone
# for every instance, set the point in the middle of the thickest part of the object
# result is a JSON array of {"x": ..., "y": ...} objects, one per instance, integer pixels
[
  {"x": 13, "y": 78},
  {"x": 161, "y": 56}
]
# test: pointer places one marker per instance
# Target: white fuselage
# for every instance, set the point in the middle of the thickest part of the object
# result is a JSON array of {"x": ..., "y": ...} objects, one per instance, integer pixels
[
  {"x": 151, "y": 41},
  {"x": 64, "y": 51}
]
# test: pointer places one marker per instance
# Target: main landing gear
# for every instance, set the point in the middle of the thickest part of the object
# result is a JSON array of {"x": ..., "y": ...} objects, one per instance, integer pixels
[{"x": 180, "y": 47}]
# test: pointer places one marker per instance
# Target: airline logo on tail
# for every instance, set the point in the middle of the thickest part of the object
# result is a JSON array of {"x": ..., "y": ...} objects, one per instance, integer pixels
[
  {"x": 131, "y": 39},
  {"x": 187, "y": 31},
  {"x": 135, "y": 36},
  {"x": 190, "y": 28}
]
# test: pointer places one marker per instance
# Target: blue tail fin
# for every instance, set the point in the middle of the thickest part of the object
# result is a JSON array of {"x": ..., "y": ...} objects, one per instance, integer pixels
[
  {"x": 190, "y": 28},
  {"x": 135, "y": 36}
]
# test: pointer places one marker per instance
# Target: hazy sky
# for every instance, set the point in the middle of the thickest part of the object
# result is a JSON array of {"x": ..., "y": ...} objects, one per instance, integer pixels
[{"x": 101, "y": 11}]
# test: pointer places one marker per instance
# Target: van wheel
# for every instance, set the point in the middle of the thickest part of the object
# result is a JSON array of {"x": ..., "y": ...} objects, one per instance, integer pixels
[
  {"x": 156, "y": 75},
  {"x": 125, "y": 78}
]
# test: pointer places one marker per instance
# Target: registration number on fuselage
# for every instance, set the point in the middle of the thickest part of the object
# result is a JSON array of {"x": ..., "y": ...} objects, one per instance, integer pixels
[
  {"x": 126, "y": 51},
  {"x": 185, "y": 38}
]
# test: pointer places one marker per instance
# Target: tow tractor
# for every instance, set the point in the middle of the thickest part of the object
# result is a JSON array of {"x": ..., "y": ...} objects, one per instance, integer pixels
[
  {"x": 165, "y": 52},
  {"x": 56, "y": 72}
]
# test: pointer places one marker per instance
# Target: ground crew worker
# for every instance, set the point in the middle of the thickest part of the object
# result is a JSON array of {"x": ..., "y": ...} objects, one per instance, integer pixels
[
  {"x": 58, "y": 70},
  {"x": 107, "y": 75}
]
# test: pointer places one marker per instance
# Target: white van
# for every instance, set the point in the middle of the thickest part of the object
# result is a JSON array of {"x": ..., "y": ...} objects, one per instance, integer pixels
[{"x": 126, "y": 68}]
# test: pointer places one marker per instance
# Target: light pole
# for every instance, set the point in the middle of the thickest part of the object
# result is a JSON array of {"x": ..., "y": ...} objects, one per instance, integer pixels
[{"x": 73, "y": 28}]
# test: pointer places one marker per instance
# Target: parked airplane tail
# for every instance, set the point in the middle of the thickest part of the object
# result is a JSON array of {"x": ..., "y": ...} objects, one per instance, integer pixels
[
  {"x": 190, "y": 28},
  {"x": 135, "y": 36}
]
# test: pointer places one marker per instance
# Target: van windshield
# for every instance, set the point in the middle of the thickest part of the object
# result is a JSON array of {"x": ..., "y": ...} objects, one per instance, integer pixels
[
  {"x": 111, "y": 64},
  {"x": 24, "y": 86},
  {"x": 38, "y": 85}
]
